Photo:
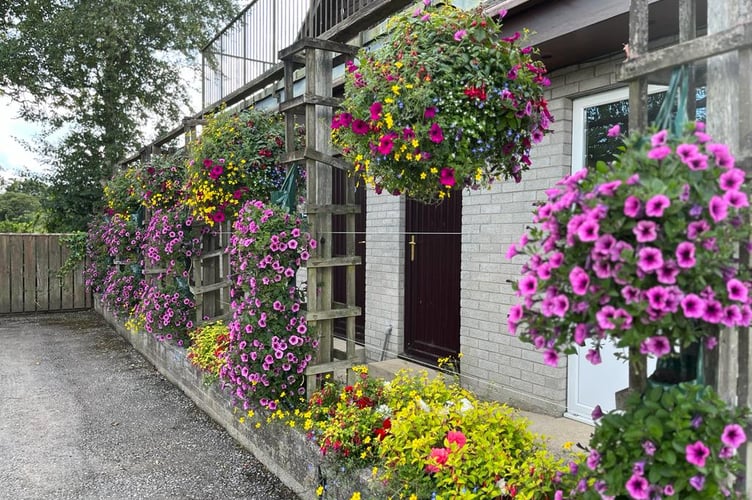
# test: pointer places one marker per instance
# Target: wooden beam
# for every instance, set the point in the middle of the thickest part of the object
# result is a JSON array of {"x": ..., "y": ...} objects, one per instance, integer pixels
[
  {"x": 738, "y": 37},
  {"x": 349, "y": 260},
  {"x": 317, "y": 44}
]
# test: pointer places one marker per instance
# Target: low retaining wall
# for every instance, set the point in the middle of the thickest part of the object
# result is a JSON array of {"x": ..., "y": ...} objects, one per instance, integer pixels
[{"x": 285, "y": 451}]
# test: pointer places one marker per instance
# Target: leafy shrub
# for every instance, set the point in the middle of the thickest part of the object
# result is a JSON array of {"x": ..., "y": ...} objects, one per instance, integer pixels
[{"x": 208, "y": 346}]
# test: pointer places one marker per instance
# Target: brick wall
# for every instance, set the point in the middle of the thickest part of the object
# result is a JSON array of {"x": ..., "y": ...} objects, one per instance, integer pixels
[{"x": 385, "y": 277}]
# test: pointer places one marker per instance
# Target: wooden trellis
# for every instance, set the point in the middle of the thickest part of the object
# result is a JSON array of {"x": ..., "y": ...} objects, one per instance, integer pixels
[
  {"x": 315, "y": 107},
  {"x": 728, "y": 49}
]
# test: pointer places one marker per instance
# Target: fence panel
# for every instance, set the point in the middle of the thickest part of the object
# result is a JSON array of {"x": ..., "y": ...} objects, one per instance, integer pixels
[{"x": 29, "y": 266}]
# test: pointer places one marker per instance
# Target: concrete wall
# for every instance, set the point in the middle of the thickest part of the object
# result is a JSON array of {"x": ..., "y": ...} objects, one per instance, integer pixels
[{"x": 494, "y": 364}]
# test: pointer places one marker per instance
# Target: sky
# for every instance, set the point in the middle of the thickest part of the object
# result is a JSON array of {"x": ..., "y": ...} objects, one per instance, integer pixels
[{"x": 14, "y": 157}]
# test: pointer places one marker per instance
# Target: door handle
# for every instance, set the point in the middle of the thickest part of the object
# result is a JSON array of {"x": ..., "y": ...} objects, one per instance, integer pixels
[{"x": 412, "y": 244}]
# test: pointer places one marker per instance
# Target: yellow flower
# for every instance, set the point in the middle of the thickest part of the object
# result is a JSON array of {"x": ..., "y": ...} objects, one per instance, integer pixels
[
  {"x": 423, "y": 175},
  {"x": 319, "y": 491},
  {"x": 398, "y": 64},
  {"x": 355, "y": 496},
  {"x": 434, "y": 170},
  {"x": 568, "y": 445},
  {"x": 395, "y": 89},
  {"x": 415, "y": 143},
  {"x": 389, "y": 120},
  {"x": 388, "y": 100}
]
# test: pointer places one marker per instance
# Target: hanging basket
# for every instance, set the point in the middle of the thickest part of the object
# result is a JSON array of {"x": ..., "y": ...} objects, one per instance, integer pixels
[{"x": 445, "y": 103}]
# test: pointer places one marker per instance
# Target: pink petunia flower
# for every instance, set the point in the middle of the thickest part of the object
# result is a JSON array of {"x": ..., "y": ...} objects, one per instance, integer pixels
[
  {"x": 733, "y": 436},
  {"x": 693, "y": 306},
  {"x": 697, "y": 453},
  {"x": 659, "y": 138},
  {"x": 551, "y": 357},
  {"x": 632, "y": 205},
  {"x": 638, "y": 487},
  {"x": 685, "y": 255},
  {"x": 659, "y": 153},
  {"x": 649, "y": 259},
  {"x": 588, "y": 230},
  {"x": 718, "y": 208},
  {"x": 731, "y": 180},
  {"x": 736, "y": 199},
  {"x": 737, "y": 290},
  {"x": 527, "y": 285},
  {"x": 645, "y": 231},
  {"x": 579, "y": 280},
  {"x": 446, "y": 177},
  {"x": 656, "y": 205},
  {"x": 594, "y": 356},
  {"x": 436, "y": 134},
  {"x": 376, "y": 109},
  {"x": 459, "y": 35},
  {"x": 697, "y": 482},
  {"x": 614, "y": 131}
]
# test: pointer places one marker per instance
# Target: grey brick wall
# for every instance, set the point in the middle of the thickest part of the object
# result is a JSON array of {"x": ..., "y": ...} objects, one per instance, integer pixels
[{"x": 385, "y": 280}]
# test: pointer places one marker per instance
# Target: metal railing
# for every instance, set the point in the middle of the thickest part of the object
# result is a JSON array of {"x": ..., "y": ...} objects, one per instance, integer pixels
[{"x": 248, "y": 46}]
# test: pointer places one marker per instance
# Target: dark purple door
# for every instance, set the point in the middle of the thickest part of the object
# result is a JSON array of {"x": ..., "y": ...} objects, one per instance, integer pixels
[{"x": 432, "y": 279}]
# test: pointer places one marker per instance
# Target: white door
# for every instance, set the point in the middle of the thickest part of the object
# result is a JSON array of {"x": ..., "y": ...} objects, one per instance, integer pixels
[{"x": 590, "y": 385}]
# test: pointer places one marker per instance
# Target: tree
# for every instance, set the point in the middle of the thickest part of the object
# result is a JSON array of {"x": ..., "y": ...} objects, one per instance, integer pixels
[
  {"x": 21, "y": 207},
  {"x": 94, "y": 71}
]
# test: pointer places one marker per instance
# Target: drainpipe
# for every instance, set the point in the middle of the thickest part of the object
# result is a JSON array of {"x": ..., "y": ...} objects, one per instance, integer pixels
[{"x": 386, "y": 342}]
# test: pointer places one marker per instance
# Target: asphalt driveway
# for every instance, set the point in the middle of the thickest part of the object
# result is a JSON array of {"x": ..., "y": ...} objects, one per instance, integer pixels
[{"x": 83, "y": 415}]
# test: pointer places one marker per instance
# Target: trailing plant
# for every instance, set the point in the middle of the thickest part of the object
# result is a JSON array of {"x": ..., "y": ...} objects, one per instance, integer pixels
[
  {"x": 170, "y": 239},
  {"x": 162, "y": 180},
  {"x": 678, "y": 442},
  {"x": 122, "y": 290},
  {"x": 122, "y": 192},
  {"x": 76, "y": 245},
  {"x": 235, "y": 159},
  {"x": 446, "y": 103},
  {"x": 208, "y": 345},
  {"x": 642, "y": 250},
  {"x": 270, "y": 343},
  {"x": 110, "y": 239}
]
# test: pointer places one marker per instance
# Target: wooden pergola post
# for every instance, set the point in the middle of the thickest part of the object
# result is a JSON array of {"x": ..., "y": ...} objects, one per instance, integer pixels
[{"x": 316, "y": 105}]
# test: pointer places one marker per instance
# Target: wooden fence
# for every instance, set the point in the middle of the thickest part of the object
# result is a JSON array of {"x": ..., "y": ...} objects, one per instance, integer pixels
[{"x": 29, "y": 265}]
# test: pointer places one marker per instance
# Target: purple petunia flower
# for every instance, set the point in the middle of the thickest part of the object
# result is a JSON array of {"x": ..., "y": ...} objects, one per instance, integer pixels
[
  {"x": 659, "y": 138},
  {"x": 597, "y": 413},
  {"x": 594, "y": 356},
  {"x": 649, "y": 448},
  {"x": 593, "y": 459},
  {"x": 429, "y": 112},
  {"x": 658, "y": 345},
  {"x": 588, "y": 230},
  {"x": 736, "y": 199},
  {"x": 551, "y": 357},
  {"x": 697, "y": 482},
  {"x": 376, "y": 109},
  {"x": 459, "y": 35}
]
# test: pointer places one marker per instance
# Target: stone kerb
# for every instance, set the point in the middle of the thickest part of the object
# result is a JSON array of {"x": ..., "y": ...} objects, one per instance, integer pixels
[{"x": 285, "y": 451}]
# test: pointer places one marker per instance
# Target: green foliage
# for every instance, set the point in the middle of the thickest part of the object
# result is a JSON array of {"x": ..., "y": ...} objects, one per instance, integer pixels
[
  {"x": 650, "y": 440},
  {"x": 21, "y": 206},
  {"x": 95, "y": 71},
  {"x": 76, "y": 245},
  {"x": 208, "y": 343}
]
